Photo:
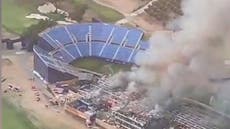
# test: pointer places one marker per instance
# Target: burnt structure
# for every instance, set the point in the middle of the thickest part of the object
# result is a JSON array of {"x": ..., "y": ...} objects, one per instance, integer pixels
[
  {"x": 190, "y": 114},
  {"x": 116, "y": 108}
]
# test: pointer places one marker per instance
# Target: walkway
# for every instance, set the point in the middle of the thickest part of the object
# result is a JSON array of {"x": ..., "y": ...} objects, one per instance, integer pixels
[{"x": 128, "y": 17}]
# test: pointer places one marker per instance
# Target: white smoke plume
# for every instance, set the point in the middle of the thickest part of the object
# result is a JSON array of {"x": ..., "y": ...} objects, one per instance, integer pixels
[{"x": 181, "y": 64}]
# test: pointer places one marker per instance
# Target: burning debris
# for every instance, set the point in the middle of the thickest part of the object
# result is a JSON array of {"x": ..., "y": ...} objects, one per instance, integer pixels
[
  {"x": 184, "y": 63},
  {"x": 114, "y": 107},
  {"x": 125, "y": 110}
]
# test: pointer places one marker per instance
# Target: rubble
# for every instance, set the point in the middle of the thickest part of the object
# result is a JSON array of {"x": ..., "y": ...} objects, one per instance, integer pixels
[{"x": 117, "y": 108}]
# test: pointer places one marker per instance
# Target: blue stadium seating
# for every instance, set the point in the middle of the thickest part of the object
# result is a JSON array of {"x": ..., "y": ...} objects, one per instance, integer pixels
[
  {"x": 42, "y": 43},
  {"x": 132, "y": 59},
  {"x": 63, "y": 56},
  {"x": 40, "y": 50},
  {"x": 47, "y": 60},
  {"x": 137, "y": 53},
  {"x": 50, "y": 41},
  {"x": 84, "y": 48},
  {"x": 66, "y": 56},
  {"x": 58, "y": 55},
  {"x": 123, "y": 54},
  {"x": 68, "y": 43},
  {"x": 60, "y": 34},
  {"x": 133, "y": 38},
  {"x": 80, "y": 31},
  {"x": 43, "y": 55},
  {"x": 59, "y": 37},
  {"x": 96, "y": 48},
  {"x": 109, "y": 51},
  {"x": 73, "y": 50},
  {"x": 144, "y": 45},
  {"x": 118, "y": 35},
  {"x": 101, "y": 32}
]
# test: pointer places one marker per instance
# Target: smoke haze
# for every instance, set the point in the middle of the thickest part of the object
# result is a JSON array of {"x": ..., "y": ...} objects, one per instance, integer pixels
[{"x": 182, "y": 64}]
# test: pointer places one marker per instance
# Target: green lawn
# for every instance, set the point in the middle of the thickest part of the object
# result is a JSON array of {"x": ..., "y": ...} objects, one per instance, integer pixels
[
  {"x": 14, "y": 12},
  {"x": 106, "y": 14},
  {"x": 100, "y": 66},
  {"x": 13, "y": 118},
  {"x": 13, "y": 15}
]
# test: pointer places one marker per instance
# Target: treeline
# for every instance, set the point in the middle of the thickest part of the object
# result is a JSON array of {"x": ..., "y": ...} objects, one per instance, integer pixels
[{"x": 165, "y": 10}]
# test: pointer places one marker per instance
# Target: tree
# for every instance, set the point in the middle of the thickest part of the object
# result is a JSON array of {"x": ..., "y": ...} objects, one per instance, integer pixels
[
  {"x": 30, "y": 36},
  {"x": 79, "y": 12}
]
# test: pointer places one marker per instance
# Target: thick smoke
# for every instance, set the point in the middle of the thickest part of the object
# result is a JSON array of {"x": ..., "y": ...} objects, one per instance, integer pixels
[{"x": 184, "y": 63}]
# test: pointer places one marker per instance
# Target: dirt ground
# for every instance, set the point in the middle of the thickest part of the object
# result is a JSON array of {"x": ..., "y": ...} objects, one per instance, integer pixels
[
  {"x": 18, "y": 71},
  {"x": 147, "y": 24},
  {"x": 125, "y": 6}
]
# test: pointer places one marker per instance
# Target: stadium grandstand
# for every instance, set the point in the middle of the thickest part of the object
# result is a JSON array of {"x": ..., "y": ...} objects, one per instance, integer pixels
[{"x": 61, "y": 45}]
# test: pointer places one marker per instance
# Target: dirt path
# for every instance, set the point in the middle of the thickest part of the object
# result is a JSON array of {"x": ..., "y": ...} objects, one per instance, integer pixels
[
  {"x": 135, "y": 18},
  {"x": 146, "y": 23},
  {"x": 128, "y": 8},
  {"x": 18, "y": 73},
  {"x": 123, "y": 6},
  {"x": 142, "y": 9}
]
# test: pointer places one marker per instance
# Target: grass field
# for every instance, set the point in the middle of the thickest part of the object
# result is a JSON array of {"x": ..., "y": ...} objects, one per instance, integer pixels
[
  {"x": 100, "y": 66},
  {"x": 14, "y": 118},
  {"x": 13, "y": 15},
  {"x": 14, "y": 12},
  {"x": 106, "y": 14}
]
